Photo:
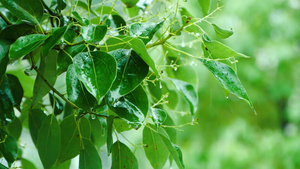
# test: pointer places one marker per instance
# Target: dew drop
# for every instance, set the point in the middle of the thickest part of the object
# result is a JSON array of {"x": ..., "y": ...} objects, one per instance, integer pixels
[
  {"x": 175, "y": 68},
  {"x": 160, "y": 85}
]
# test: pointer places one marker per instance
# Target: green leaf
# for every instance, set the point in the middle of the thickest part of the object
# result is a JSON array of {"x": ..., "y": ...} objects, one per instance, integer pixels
[
  {"x": 119, "y": 23},
  {"x": 222, "y": 33},
  {"x": 16, "y": 89},
  {"x": 6, "y": 103},
  {"x": 175, "y": 153},
  {"x": 109, "y": 140},
  {"x": 13, "y": 32},
  {"x": 218, "y": 49},
  {"x": 122, "y": 157},
  {"x": 3, "y": 64},
  {"x": 89, "y": 157},
  {"x": 145, "y": 31},
  {"x": 35, "y": 120},
  {"x": 26, "y": 164},
  {"x": 175, "y": 27},
  {"x": 130, "y": 3},
  {"x": 158, "y": 115},
  {"x": 102, "y": 10},
  {"x": 172, "y": 132},
  {"x": 49, "y": 141},
  {"x": 76, "y": 91},
  {"x": 15, "y": 128},
  {"x": 65, "y": 56},
  {"x": 131, "y": 71},
  {"x": 188, "y": 92},
  {"x": 97, "y": 71},
  {"x": 30, "y": 10},
  {"x": 228, "y": 79},
  {"x": 93, "y": 33},
  {"x": 61, "y": 4},
  {"x": 79, "y": 19},
  {"x": 48, "y": 70},
  {"x": 58, "y": 106},
  {"x": 70, "y": 142},
  {"x": 155, "y": 149},
  {"x": 132, "y": 107},
  {"x": 205, "y": 5},
  {"x": 98, "y": 131},
  {"x": 25, "y": 45},
  {"x": 8, "y": 147},
  {"x": 51, "y": 41},
  {"x": 121, "y": 125}
]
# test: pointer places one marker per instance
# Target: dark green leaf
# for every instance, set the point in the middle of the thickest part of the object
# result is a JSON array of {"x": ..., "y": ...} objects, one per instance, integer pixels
[
  {"x": 85, "y": 128},
  {"x": 65, "y": 56},
  {"x": 6, "y": 102},
  {"x": 93, "y": 33},
  {"x": 15, "y": 128},
  {"x": 51, "y": 41},
  {"x": 227, "y": 78},
  {"x": 109, "y": 142},
  {"x": 35, "y": 120},
  {"x": 56, "y": 103},
  {"x": 8, "y": 147},
  {"x": 79, "y": 19},
  {"x": 188, "y": 92},
  {"x": 222, "y": 33},
  {"x": 26, "y": 164},
  {"x": 130, "y": 3},
  {"x": 119, "y": 23},
  {"x": 145, "y": 31},
  {"x": 30, "y": 10},
  {"x": 16, "y": 89},
  {"x": 61, "y": 4},
  {"x": 48, "y": 70},
  {"x": 13, "y": 32},
  {"x": 131, "y": 71},
  {"x": 49, "y": 141},
  {"x": 25, "y": 45},
  {"x": 3, "y": 65},
  {"x": 205, "y": 5},
  {"x": 218, "y": 49},
  {"x": 132, "y": 107},
  {"x": 154, "y": 147},
  {"x": 98, "y": 131},
  {"x": 89, "y": 157},
  {"x": 76, "y": 91},
  {"x": 97, "y": 71},
  {"x": 158, "y": 115},
  {"x": 68, "y": 110},
  {"x": 122, "y": 157}
]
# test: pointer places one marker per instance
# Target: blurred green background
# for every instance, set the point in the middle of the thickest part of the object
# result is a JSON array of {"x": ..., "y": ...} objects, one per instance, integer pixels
[{"x": 229, "y": 135}]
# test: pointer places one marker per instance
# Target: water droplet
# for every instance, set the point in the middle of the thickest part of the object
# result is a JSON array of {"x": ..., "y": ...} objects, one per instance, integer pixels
[
  {"x": 197, "y": 34},
  {"x": 93, "y": 116},
  {"x": 175, "y": 68},
  {"x": 160, "y": 85},
  {"x": 227, "y": 97}
]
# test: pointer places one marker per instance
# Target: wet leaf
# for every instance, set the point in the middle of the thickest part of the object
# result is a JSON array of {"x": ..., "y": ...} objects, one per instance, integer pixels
[
  {"x": 158, "y": 115},
  {"x": 145, "y": 31},
  {"x": 76, "y": 91},
  {"x": 122, "y": 157},
  {"x": 16, "y": 89},
  {"x": 25, "y": 45},
  {"x": 131, "y": 71},
  {"x": 89, "y": 157},
  {"x": 6, "y": 102},
  {"x": 119, "y": 23},
  {"x": 49, "y": 141},
  {"x": 227, "y": 78},
  {"x": 51, "y": 41},
  {"x": 30, "y": 10},
  {"x": 93, "y": 33},
  {"x": 8, "y": 147},
  {"x": 222, "y": 33},
  {"x": 82, "y": 21},
  {"x": 35, "y": 120}
]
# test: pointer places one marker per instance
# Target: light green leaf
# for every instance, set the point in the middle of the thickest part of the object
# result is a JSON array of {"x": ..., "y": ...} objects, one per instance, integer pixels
[
  {"x": 97, "y": 71},
  {"x": 121, "y": 125},
  {"x": 30, "y": 10},
  {"x": 122, "y": 157},
  {"x": 93, "y": 33},
  {"x": 8, "y": 147},
  {"x": 188, "y": 92},
  {"x": 132, "y": 107},
  {"x": 48, "y": 70},
  {"x": 205, "y": 5},
  {"x": 218, "y": 49},
  {"x": 222, "y": 33},
  {"x": 158, "y": 115},
  {"x": 130, "y": 3},
  {"x": 51, "y": 41},
  {"x": 49, "y": 141},
  {"x": 26, "y": 164},
  {"x": 76, "y": 91},
  {"x": 35, "y": 120},
  {"x": 227, "y": 78},
  {"x": 154, "y": 147},
  {"x": 145, "y": 31},
  {"x": 109, "y": 140},
  {"x": 81, "y": 20},
  {"x": 89, "y": 157},
  {"x": 131, "y": 71},
  {"x": 25, "y": 45}
]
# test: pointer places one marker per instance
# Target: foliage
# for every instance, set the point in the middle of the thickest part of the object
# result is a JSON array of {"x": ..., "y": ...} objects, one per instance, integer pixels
[{"x": 119, "y": 70}]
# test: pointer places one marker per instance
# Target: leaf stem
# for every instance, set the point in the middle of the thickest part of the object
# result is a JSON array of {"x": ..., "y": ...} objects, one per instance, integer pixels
[{"x": 6, "y": 20}]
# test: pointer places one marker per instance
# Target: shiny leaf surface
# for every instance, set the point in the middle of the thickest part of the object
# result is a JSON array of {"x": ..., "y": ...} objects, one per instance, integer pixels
[
  {"x": 93, "y": 33},
  {"x": 16, "y": 89},
  {"x": 122, "y": 157},
  {"x": 51, "y": 41},
  {"x": 96, "y": 71},
  {"x": 145, "y": 31},
  {"x": 8, "y": 147},
  {"x": 158, "y": 115},
  {"x": 6, "y": 102}
]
